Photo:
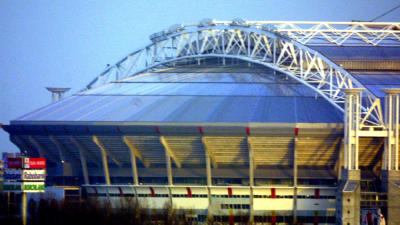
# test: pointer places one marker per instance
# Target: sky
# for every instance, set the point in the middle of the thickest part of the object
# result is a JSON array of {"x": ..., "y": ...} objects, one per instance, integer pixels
[{"x": 68, "y": 43}]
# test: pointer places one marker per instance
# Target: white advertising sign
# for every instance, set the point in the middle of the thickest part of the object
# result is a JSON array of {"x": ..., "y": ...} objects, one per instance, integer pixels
[{"x": 33, "y": 175}]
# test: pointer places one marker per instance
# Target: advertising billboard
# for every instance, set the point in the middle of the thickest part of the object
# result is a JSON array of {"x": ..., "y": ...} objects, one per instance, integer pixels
[
  {"x": 12, "y": 186},
  {"x": 33, "y": 187},
  {"x": 24, "y": 186},
  {"x": 24, "y": 174},
  {"x": 34, "y": 163},
  {"x": 12, "y": 174},
  {"x": 33, "y": 175},
  {"x": 14, "y": 163}
]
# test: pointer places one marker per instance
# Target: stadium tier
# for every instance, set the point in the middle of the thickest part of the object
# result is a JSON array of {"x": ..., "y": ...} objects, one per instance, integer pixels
[{"x": 261, "y": 121}]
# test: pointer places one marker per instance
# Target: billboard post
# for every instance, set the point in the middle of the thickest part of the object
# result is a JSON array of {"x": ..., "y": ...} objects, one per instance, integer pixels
[{"x": 24, "y": 175}]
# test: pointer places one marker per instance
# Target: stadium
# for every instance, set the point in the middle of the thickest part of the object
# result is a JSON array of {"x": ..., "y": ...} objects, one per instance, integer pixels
[{"x": 264, "y": 121}]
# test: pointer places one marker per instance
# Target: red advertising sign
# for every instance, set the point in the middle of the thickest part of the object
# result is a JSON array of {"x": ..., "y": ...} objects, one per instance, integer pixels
[
  {"x": 34, "y": 163},
  {"x": 14, "y": 163}
]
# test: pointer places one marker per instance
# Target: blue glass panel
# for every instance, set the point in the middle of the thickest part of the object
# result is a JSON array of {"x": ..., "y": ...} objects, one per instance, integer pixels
[
  {"x": 359, "y": 53},
  {"x": 383, "y": 78}
]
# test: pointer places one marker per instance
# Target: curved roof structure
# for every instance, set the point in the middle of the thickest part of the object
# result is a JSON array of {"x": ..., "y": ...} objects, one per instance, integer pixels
[
  {"x": 206, "y": 93},
  {"x": 309, "y": 55}
]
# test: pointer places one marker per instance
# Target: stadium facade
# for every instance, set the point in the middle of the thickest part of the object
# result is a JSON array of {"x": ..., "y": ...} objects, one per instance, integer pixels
[{"x": 265, "y": 121}]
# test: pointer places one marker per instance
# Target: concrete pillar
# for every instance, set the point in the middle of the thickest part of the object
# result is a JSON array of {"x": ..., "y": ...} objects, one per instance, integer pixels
[
  {"x": 390, "y": 171},
  {"x": 348, "y": 201}
]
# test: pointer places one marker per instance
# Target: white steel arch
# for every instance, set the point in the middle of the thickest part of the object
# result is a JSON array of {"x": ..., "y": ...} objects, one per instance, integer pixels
[{"x": 243, "y": 41}]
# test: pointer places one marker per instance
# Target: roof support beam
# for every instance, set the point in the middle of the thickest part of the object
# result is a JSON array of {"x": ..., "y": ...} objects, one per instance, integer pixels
[
  {"x": 135, "y": 151},
  {"x": 40, "y": 148},
  {"x": 21, "y": 144},
  {"x": 82, "y": 158},
  {"x": 36, "y": 145},
  {"x": 104, "y": 159},
  {"x": 208, "y": 152},
  {"x": 82, "y": 148},
  {"x": 60, "y": 148},
  {"x": 100, "y": 144},
  {"x": 169, "y": 151},
  {"x": 168, "y": 155}
]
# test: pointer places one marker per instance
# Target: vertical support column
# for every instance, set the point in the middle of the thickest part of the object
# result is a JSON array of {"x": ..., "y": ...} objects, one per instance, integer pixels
[
  {"x": 390, "y": 170},
  {"x": 348, "y": 202},
  {"x": 132, "y": 154},
  {"x": 352, "y": 126},
  {"x": 168, "y": 155},
  {"x": 169, "y": 168},
  {"x": 170, "y": 196},
  {"x": 84, "y": 167},
  {"x": 38, "y": 146},
  {"x": 208, "y": 171},
  {"x": 391, "y": 152},
  {"x": 209, "y": 181},
  {"x": 82, "y": 156},
  {"x": 104, "y": 159},
  {"x": 208, "y": 159},
  {"x": 295, "y": 175},
  {"x": 134, "y": 168},
  {"x": 251, "y": 176},
  {"x": 24, "y": 208}
]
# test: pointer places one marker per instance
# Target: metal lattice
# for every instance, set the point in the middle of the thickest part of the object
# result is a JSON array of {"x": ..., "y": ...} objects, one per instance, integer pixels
[{"x": 280, "y": 48}]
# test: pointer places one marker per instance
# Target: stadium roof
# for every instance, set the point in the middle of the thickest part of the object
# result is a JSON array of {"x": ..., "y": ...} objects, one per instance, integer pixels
[
  {"x": 199, "y": 94},
  {"x": 242, "y": 90}
]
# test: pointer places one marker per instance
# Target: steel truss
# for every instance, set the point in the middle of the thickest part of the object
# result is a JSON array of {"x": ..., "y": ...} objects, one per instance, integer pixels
[
  {"x": 340, "y": 33},
  {"x": 251, "y": 44}
]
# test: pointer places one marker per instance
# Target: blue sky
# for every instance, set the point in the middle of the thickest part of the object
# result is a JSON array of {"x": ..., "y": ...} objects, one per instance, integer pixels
[{"x": 67, "y": 43}]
